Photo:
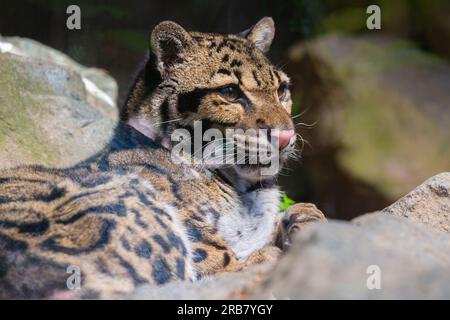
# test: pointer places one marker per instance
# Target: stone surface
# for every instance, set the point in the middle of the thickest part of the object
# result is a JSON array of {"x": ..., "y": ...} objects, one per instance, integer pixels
[
  {"x": 239, "y": 285},
  {"x": 384, "y": 102},
  {"x": 330, "y": 261},
  {"x": 429, "y": 203},
  {"x": 97, "y": 82},
  {"x": 53, "y": 111}
]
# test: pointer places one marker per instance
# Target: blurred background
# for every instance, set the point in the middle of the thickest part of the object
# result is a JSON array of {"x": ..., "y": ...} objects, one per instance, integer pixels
[{"x": 375, "y": 104}]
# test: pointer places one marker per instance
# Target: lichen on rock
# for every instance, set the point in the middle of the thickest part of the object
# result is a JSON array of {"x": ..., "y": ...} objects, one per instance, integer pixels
[{"x": 48, "y": 115}]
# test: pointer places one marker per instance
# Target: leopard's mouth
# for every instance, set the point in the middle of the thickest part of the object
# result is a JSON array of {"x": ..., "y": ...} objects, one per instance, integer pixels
[
  {"x": 257, "y": 172},
  {"x": 269, "y": 166},
  {"x": 252, "y": 156}
]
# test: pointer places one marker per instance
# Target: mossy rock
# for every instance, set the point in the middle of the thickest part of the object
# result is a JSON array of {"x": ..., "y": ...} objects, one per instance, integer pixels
[
  {"x": 381, "y": 103},
  {"x": 47, "y": 115}
]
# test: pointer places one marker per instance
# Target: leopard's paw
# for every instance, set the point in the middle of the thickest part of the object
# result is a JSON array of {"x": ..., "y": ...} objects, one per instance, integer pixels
[
  {"x": 295, "y": 219},
  {"x": 267, "y": 254}
]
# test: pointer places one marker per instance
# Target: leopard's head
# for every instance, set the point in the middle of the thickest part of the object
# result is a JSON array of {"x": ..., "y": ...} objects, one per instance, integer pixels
[{"x": 221, "y": 81}]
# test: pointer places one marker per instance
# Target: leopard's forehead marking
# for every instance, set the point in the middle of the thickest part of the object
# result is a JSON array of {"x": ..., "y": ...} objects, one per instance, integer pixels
[{"x": 233, "y": 59}]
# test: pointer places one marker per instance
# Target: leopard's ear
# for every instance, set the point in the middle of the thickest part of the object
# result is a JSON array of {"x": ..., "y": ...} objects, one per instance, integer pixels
[
  {"x": 261, "y": 34},
  {"x": 169, "y": 42}
]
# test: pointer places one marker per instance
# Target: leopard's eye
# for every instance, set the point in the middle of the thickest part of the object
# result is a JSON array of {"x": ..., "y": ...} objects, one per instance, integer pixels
[
  {"x": 230, "y": 93},
  {"x": 283, "y": 91}
]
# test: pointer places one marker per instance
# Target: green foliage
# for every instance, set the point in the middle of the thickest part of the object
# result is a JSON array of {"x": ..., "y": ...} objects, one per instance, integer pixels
[
  {"x": 306, "y": 17},
  {"x": 116, "y": 12},
  {"x": 286, "y": 202},
  {"x": 346, "y": 20},
  {"x": 132, "y": 39},
  {"x": 296, "y": 104}
]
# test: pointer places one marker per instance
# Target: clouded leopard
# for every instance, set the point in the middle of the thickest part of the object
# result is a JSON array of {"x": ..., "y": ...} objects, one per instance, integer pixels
[{"x": 130, "y": 214}]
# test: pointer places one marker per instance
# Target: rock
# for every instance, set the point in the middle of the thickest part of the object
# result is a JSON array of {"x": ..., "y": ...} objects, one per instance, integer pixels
[
  {"x": 53, "y": 111},
  {"x": 331, "y": 261},
  {"x": 429, "y": 203},
  {"x": 102, "y": 87},
  {"x": 238, "y": 285},
  {"x": 409, "y": 242}
]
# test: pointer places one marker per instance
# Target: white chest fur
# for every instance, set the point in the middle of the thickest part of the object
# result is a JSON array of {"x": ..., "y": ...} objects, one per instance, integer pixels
[{"x": 251, "y": 226}]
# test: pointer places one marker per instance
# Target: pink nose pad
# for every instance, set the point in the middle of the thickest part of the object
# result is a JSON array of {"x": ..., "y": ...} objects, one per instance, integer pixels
[{"x": 284, "y": 137}]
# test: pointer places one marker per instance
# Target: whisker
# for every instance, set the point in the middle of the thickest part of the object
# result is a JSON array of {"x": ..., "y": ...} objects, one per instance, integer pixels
[
  {"x": 302, "y": 113},
  {"x": 304, "y": 141},
  {"x": 307, "y": 125},
  {"x": 164, "y": 122}
]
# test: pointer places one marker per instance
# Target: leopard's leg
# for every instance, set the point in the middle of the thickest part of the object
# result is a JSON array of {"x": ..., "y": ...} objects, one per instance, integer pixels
[
  {"x": 219, "y": 258},
  {"x": 268, "y": 254},
  {"x": 216, "y": 257},
  {"x": 293, "y": 220}
]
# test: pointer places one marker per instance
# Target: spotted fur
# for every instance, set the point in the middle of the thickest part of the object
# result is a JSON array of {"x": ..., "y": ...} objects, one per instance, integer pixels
[{"x": 130, "y": 215}]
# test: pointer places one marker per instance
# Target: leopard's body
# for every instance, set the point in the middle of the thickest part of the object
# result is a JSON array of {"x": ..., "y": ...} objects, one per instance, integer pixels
[{"x": 131, "y": 215}]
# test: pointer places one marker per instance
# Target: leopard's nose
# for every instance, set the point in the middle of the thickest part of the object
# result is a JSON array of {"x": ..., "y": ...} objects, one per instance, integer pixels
[{"x": 285, "y": 137}]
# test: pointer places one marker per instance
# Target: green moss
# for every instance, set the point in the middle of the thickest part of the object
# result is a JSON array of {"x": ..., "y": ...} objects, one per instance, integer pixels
[
  {"x": 385, "y": 134},
  {"x": 15, "y": 105},
  {"x": 346, "y": 20},
  {"x": 132, "y": 39},
  {"x": 386, "y": 139},
  {"x": 365, "y": 56}
]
